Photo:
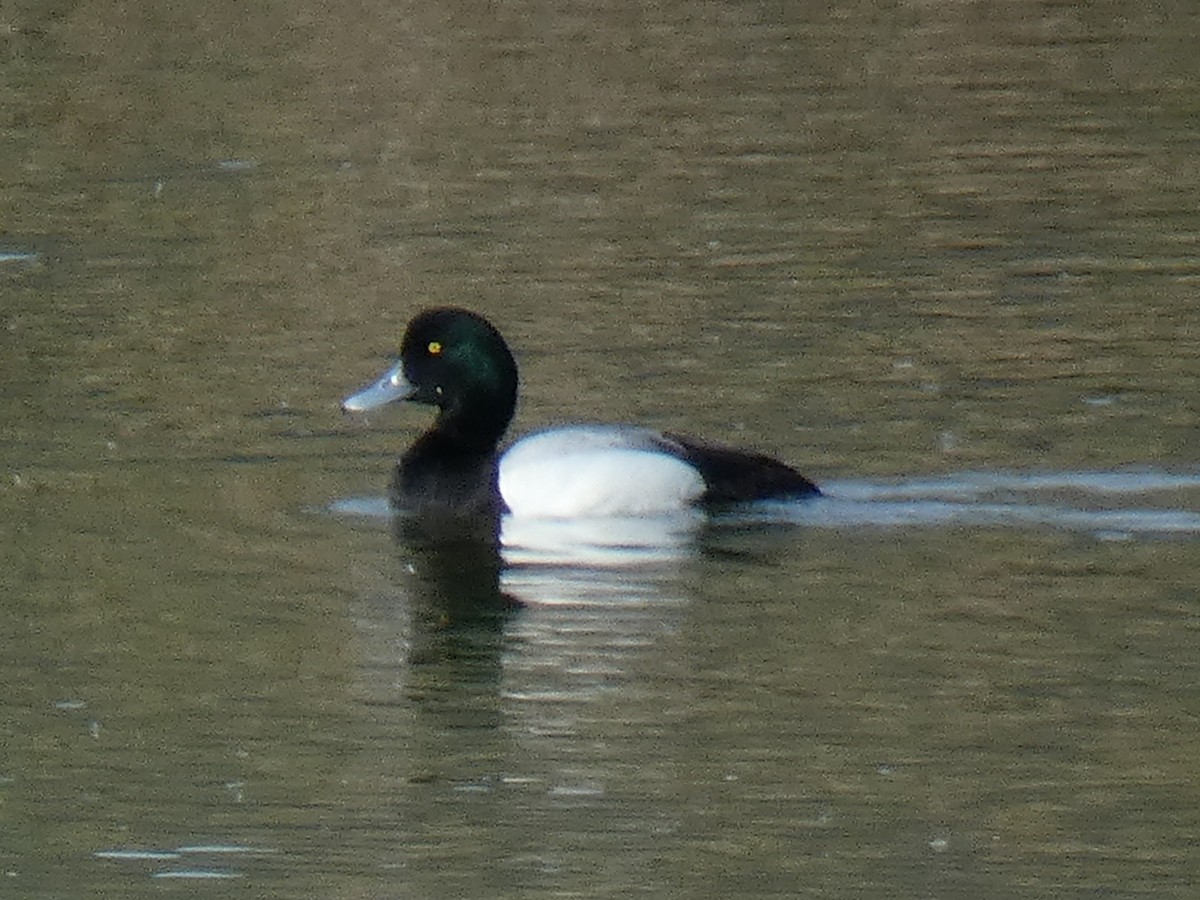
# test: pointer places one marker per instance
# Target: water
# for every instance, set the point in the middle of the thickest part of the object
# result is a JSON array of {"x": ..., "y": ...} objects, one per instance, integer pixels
[
  {"x": 1106, "y": 505},
  {"x": 939, "y": 257}
]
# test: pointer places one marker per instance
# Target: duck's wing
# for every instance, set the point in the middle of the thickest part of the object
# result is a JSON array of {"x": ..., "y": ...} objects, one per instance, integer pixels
[{"x": 732, "y": 475}]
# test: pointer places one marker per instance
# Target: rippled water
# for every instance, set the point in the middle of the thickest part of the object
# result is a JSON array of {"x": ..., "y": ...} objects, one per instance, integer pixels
[
  {"x": 1130, "y": 503},
  {"x": 613, "y": 561},
  {"x": 1110, "y": 505},
  {"x": 940, "y": 257}
]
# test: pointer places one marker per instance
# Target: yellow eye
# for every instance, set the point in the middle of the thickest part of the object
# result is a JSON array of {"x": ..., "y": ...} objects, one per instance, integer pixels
[{"x": 434, "y": 348}]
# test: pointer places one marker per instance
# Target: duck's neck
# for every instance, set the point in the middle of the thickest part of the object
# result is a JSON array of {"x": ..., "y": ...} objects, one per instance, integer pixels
[
  {"x": 440, "y": 471},
  {"x": 475, "y": 421},
  {"x": 453, "y": 464}
]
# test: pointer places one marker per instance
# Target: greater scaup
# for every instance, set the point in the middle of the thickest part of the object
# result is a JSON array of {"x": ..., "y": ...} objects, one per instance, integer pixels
[{"x": 457, "y": 361}]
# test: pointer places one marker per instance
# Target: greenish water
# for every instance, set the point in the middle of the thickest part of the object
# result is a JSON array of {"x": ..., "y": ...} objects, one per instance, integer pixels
[{"x": 943, "y": 258}]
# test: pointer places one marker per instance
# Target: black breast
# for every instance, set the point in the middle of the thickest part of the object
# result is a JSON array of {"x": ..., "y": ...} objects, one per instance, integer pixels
[{"x": 443, "y": 476}]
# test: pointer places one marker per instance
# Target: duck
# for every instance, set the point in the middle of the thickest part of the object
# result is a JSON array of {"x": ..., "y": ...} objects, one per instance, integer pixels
[{"x": 457, "y": 361}]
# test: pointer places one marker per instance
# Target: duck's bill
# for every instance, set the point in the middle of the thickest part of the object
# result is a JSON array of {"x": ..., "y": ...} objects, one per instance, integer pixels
[{"x": 392, "y": 386}]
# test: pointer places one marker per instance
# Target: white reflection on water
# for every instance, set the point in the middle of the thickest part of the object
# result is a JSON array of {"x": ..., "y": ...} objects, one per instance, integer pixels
[{"x": 600, "y": 542}]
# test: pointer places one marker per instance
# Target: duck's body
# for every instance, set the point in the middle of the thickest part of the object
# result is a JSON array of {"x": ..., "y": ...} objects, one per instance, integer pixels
[
  {"x": 596, "y": 470},
  {"x": 457, "y": 361}
]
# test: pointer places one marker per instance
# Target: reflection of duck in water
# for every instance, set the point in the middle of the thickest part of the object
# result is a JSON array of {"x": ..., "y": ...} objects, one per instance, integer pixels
[{"x": 457, "y": 361}]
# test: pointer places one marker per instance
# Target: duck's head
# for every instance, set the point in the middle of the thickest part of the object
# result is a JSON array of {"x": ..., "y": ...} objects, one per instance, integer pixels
[{"x": 457, "y": 361}]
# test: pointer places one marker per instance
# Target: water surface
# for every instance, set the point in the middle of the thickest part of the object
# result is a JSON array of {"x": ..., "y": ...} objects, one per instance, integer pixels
[{"x": 941, "y": 257}]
